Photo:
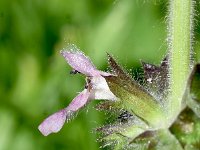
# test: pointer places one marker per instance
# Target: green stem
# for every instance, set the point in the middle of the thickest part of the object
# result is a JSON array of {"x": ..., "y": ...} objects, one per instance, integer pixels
[{"x": 180, "y": 43}]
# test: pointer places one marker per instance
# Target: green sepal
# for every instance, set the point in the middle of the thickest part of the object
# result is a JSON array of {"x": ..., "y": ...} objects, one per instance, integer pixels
[
  {"x": 155, "y": 140},
  {"x": 134, "y": 98},
  {"x": 143, "y": 140},
  {"x": 120, "y": 135},
  {"x": 194, "y": 83},
  {"x": 156, "y": 78}
]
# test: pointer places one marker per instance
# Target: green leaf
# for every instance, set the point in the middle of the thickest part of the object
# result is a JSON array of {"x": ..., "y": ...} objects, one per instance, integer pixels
[{"x": 186, "y": 129}]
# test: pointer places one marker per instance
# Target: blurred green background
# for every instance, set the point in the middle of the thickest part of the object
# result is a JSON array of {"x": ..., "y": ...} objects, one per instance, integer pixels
[{"x": 34, "y": 77}]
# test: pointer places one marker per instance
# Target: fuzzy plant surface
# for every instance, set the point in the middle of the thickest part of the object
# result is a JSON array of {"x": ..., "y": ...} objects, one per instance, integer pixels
[{"x": 163, "y": 113}]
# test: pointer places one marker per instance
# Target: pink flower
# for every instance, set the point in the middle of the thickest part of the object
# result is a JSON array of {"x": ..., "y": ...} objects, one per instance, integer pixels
[{"x": 96, "y": 88}]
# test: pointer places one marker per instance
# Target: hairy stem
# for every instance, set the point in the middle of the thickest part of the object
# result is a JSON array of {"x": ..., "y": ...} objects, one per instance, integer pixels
[{"x": 180, "y": 43}]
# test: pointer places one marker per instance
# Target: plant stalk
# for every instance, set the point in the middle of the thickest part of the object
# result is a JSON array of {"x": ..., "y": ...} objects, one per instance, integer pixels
[{"x": 180, "y": 49}]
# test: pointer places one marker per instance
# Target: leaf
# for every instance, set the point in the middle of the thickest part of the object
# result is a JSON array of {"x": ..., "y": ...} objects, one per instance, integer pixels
[{"x": 186, "y": 129}]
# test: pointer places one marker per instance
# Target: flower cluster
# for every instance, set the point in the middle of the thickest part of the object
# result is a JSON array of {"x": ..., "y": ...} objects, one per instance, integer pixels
[{"x": 141, "y": 110}]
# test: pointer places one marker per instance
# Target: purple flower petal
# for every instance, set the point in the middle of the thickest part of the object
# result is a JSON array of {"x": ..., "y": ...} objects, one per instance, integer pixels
[
  {"x": 105, "y": 74},
  {"x": 79, "y": 101},
  {"x": 56, "y": 121},
  {"x": 78, "y": 61},
  {"x": 53, "y": 123}
]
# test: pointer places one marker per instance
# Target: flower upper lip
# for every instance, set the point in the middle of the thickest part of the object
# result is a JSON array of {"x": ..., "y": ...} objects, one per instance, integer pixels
[{"x": 96, "y": 88}]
